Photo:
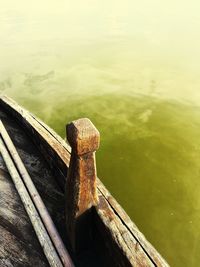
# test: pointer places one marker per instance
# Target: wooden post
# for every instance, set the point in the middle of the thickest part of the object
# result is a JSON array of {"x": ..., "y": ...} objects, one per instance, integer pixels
[{"x": 81, "y": 190}]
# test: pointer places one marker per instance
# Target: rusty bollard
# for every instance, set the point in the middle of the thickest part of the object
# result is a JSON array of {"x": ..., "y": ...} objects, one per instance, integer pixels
[{"x": 81, "y": 191}]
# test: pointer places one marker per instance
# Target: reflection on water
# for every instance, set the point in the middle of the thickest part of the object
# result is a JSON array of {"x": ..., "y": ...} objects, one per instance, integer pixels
[{"x": 133, "y": 69}]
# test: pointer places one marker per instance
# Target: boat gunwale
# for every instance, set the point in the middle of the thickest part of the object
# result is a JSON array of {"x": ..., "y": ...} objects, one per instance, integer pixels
[{"x": 128, "y": 238}]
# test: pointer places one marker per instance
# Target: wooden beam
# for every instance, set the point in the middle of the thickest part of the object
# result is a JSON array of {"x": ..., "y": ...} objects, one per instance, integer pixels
[{"x": 81, "y": 190}]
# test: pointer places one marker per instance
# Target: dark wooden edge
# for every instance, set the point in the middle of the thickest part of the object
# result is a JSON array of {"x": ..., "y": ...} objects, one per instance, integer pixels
[{"x": 119, "y": 233}]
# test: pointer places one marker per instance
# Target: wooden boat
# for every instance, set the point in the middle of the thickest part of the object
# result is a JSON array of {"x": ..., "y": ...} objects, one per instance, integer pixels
[{"x": 93, "y": 226}]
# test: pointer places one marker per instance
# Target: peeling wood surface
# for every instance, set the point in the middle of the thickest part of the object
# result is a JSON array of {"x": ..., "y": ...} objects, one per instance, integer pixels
[{"x": 128, "y": 243}]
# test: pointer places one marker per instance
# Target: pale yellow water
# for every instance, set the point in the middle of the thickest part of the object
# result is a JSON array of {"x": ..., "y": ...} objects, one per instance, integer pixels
[{"x": 134, "y": 69}]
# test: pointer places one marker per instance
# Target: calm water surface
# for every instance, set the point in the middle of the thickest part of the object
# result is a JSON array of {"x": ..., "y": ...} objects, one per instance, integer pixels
[{"x": 133, "y": 69}]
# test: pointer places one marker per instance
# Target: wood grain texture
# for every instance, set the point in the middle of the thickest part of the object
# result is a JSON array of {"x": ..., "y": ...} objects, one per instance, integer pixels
[
  {"x": 30, "y": 189},
  {"x": 83, "y": 136},
  {"x": 14, "y": 221},
  {"x": 34, "y": 217},
  {"x": 44, "y": 137},
  {"x": 119, "y": 235},
  {"x": 81, "y": 189},
  {"x": 18, "y": 243},
  {"x": 131, "y": 227}
]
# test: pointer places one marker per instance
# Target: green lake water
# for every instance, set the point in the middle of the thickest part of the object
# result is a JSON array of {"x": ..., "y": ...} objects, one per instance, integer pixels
[{"x": 133, "y": 69}]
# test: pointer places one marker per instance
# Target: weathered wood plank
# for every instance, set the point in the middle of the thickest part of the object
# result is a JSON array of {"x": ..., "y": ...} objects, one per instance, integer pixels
[
  {"x": 13, "y": 217},
  {"x": 18, "y": 244},
  {"x": 122, "y": 249},
  {"x": 37, "y": 224},
  {"x": 124, "y": 236},
  {"x": 14, "y": 252},
  {"x": 37, "y": 200},
  {"x": 153, "y": 254},
  {"x": 37, "y": 168},
  {"x": 45, "y": 139}
]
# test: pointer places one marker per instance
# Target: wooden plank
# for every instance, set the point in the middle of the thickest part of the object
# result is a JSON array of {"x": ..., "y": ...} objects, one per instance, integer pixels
[
  {"x": 122, "y": 249},
  {"x": 37, "y": 200},
  {"x": 114, "y": 207},
  {"x": 39, "y": 170},
  {"x": 18, "y": 244},
  {"x": 57, "y": 153},
  {"x": 45, "y": 139},
  {"x": 14, "y": 251},
  {"x": 37, "y": 224}
]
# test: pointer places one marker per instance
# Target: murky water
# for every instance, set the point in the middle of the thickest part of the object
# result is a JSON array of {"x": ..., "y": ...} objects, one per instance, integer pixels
[{"x": 133, "y": 69}]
